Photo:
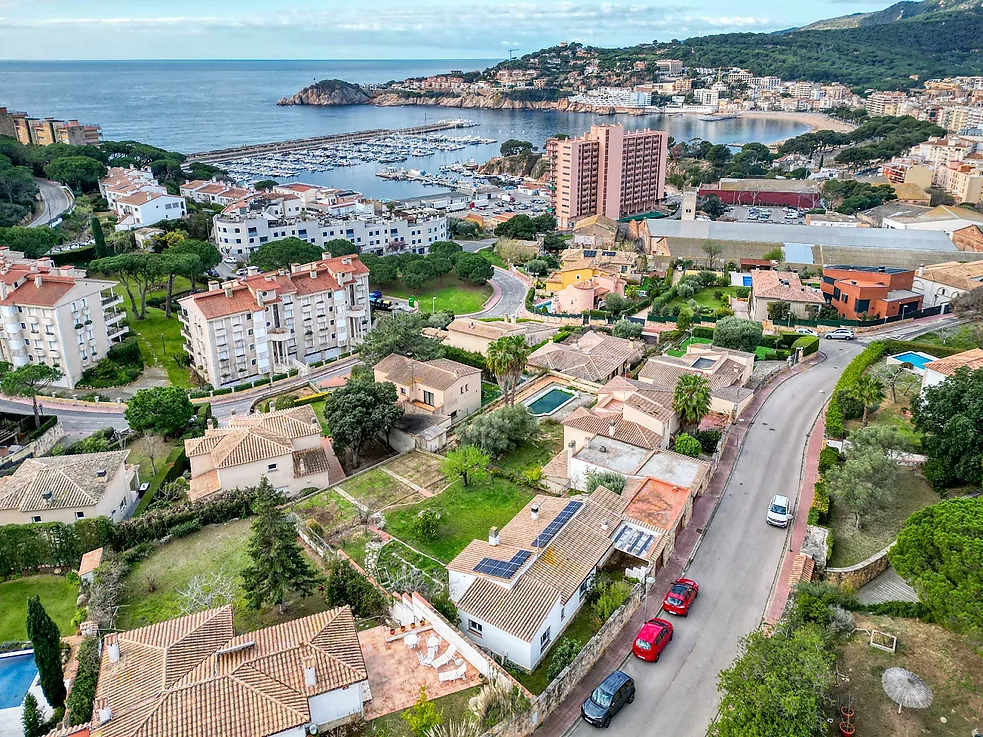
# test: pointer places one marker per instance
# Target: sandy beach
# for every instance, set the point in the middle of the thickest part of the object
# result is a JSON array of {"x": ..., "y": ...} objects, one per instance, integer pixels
[{"x": 815, "y": 121}]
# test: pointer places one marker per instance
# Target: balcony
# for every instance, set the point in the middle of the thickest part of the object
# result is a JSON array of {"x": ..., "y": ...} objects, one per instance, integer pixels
[
  {"x": 114, "y": 317},
  {"x": 278, "y": 334},
  {"x": 115, "y": 299},
  {"x": 118, "y": 333}
]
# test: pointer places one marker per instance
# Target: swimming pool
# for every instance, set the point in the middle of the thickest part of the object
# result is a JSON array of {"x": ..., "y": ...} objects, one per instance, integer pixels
[
  {"x": 550, "y": 401},
  {"x": 17, "y": 673},
  {"x": 916, "y": 359}
]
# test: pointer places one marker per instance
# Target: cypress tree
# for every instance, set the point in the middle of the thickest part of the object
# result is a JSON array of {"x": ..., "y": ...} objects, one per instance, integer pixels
[
  {"x": 46, "y": 640},
  {"x": 32, "y": 721},
  {"x": 278, "y": 562},
  {"x": 100, "y": 238}
]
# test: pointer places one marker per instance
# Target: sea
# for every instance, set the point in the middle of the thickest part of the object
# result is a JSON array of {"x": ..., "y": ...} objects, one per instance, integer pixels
[{"x": 192, "y": 106}]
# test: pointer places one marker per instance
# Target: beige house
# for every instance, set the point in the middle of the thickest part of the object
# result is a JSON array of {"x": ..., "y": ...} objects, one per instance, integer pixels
[
  {"x": 285, "y": 446},
  {"x": 437, "y": 387},
  {"x": 270, "y": 322},
  {"x": 69, "y": 488},
  {"x": 474, "y": 335},
  {"x": 56, "y": 315},
  {"x": 782, "y": 286},
  {"x": 194, "y": 676},
  {"x": 727, "y": 371},
  {"x": 593, "y": 357},
  {"x": 939, "y": 284}
]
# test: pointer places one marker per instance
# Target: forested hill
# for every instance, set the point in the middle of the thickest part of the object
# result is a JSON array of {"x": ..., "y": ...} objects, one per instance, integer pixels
[
  {"x": 904, "y": 10},
  {"x": 883, "y": 56}
]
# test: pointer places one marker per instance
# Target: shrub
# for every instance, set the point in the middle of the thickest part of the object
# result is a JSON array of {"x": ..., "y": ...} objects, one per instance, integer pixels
[
  {"x": 500, "y": 431},
  {"x": 708, "y": 439},
  {"x": 702, "y": 332},
  {"x": 904, "y": 609},
  {"x": 819, "y": 511},
  {"x": 428, "y": 523},
  {"x": 687, "y": 445},
  {"x": 126, "y": 352},
  {"x": 347, "y": 586},
  {"x": 447, "y": 608},
  {"x": 610, "y": 597},
  {"x": 808, "y": 343},
  {"x": 564, "y": 653},
  {"x": 737, "y": 333},
  {"x": 625, "y": 328},
  {"x": 608, "y": 479},
  {"x": 185, "y": 528},
  {"x": 83, "y": 693},
  {"x": 828, "y": 457}
]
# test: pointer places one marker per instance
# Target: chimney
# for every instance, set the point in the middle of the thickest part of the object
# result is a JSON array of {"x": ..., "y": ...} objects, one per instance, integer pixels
[
  {"x": 105, "y": 714},
  {"x": 252, "y": 270},
  {"x": 534, "y": 511},
  {"x": 493, "y": 537},
  {"x": 37, "y": 281},
  {"x": 605, "y": 525},
  {"x": 114, "y": 651},
  {"x": 213, "y": 285},
  {"x": 611, "y": 426},
  {"x": 3, "y": 289},
  {"x": 228, "y": 291},
  {"x": 259, "y": 297},
  {"x": 921, "y": 270},
  {"x": 310, "y": 676},
  {"x": 313, "y": 273}
]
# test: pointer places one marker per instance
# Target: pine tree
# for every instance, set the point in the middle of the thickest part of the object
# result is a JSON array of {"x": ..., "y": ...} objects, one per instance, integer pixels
[
  {"x": 278, "y": 563},
  {"x": 33, "y": 720},
  {"x": 100, "y": 239},
  {"x": 46, "y": 640}
]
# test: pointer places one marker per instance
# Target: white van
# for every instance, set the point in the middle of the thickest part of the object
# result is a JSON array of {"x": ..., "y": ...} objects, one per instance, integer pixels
[{"x": 779, "y": 511}]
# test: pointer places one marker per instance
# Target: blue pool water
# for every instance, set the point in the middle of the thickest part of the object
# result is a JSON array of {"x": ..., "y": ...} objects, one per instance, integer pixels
[
  {"x": 16, "y": 676},
  {"x": 915, "y": 359}
]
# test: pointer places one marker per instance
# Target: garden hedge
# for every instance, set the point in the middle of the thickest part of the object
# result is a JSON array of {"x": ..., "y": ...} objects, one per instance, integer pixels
[
  {"x": 28, "y": 548},
  {"x": 808, "y": 343},
  {"x": 701, "y": 332},
  {"x": 175, "y": 466}
]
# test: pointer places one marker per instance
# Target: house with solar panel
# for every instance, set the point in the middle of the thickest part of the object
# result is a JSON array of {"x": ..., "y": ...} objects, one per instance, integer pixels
[{"x": 518, "y": 590}]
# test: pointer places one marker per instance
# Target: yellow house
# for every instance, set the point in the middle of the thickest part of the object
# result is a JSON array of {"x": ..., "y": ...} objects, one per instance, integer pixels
[{"x": 571, "y": 274}]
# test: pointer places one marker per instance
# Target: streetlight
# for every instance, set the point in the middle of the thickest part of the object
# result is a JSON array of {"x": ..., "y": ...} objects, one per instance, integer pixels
[
  {"x": 649, "y": 580},
  {"x": 433, "y": 308}
]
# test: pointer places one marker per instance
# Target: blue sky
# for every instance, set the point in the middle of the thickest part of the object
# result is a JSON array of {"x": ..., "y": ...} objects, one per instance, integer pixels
[{"x": 373, "y": 29}]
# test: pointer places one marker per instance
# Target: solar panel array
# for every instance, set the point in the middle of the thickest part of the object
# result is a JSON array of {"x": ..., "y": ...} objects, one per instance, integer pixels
[
  {"x": 590, "y": 254},
  {"x": 544, "y": 537},
  {"x": 502, "y": 568},
  {"x": 633, "y": 541}
]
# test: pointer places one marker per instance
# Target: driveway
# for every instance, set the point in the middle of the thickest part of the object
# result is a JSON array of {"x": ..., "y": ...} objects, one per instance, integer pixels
[
  {"x": 736, "y": 564},
  {"x": 55, "y": 202}
]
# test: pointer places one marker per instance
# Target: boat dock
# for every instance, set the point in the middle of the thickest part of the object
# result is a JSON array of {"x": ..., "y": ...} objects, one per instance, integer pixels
[{"x": 305, "y": 144}]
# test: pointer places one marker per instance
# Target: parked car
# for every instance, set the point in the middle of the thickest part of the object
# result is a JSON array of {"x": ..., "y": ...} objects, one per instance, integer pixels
[
  {"x": 807, "y": 331},
  {"x": 229, "y": 260},
  {"x": 242, "y": 272},
  {"x": 608, "y": 699},
  {"x": 652, "y": 639},
  {"x": 779, "y": 511},
  {"x": 682, "y": 594},
  {"x": 841, "y": 334},
  {"x": 375, "y": 295}
]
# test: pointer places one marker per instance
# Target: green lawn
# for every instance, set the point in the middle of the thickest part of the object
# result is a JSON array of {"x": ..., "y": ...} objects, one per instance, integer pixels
[
  {"x": 850, "y": 546},
  {"x": 707, "y": 297},
  {"x": 395, "y": 556},
  {"x": 377, "y": 489},
  {"x": 964, "y": 337},
  {"x": 491, "y": 256},
  {"x": 489, "y": 392},
  {"x": 681, "y": 351},
  {"x": 537, "y": 452},
  {"x": 161, "y": 343},
  {"x": 889, "y": 415},
  {"x": 331, "y": 510},
  {"x": 451, "y": 707},
  {"x": 466, "y": 514},
  {"x": 581, "y": 628},
  {"x": 138, "y": 456},
  {"x": 459, "y": 297},
  {"x": 58, "y": 596},
  {"x": 152, "y": 590},
  {"x": 354, "y": 545}
]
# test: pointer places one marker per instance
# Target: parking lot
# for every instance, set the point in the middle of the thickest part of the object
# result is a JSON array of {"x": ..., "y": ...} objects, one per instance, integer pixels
[
  {"x": 526, "y": 204},
  {"x": 745, "y": 214}
]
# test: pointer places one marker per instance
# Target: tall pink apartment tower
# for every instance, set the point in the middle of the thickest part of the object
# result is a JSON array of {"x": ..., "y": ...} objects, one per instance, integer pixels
[{"x": 607, "y": 171}]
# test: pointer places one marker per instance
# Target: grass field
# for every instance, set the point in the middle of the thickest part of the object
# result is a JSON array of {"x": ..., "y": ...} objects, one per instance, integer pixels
[
  {"x": 451, "y": 707},
  {"x": 58, "y": 596},
  {"x": 492, "y": 257},
  {"x": 465, "y": 513},
  {"x": 331, "y": 510},
  {"x": 377, "y": 489},
  {"x": 681, "y": 351},
  {"x": 161, "y": 342},
  {"x": 850, "y": 546},
  {"x": 707, "y": 297},
  {"x": 950, "y": 664},
  {"x": 537, "y": 452},
  {"x": 152, "y": 589},
  {"x": 459, "y": 297},
  {"x": 138, "y": 456},
  {"x": 963, "y": 337}
]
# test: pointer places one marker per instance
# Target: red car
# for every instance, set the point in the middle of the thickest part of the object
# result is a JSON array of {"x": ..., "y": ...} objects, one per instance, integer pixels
[
  {"x": 652, "y": 639},
  {"x": 682, "y": 594}
]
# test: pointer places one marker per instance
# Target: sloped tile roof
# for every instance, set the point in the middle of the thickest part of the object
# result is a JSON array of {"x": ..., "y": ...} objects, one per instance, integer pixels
[
  {"x": 590, "y": 421},
  {"x": 491, "y": 330},
  {"x": 439, "y": 374},
  {"x": 972, "y": 360},
  {"x": 295, "y": 422},
  {"x": 594, "y": 357},
  {"x": 60, "y": 482},
  {"x": 783, "y": 285}
]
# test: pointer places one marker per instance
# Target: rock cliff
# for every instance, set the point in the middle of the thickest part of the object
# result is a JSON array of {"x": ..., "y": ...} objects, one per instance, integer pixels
[{"x": 329, "y": 92}]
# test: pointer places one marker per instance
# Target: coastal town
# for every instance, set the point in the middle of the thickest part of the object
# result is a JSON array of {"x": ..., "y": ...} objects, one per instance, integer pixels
[{"x": 612, "y": 430}]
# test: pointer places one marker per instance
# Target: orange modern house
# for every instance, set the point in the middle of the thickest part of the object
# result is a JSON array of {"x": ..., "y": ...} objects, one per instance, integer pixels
[{"x": 870, "y": 290}]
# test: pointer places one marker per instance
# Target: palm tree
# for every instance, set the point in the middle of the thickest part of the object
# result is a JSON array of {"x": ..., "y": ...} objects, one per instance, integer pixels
[
  {"x": 507, "y": 360},
  {"x": 868, "y": 390},
  {"x": 691, "y": 399}
]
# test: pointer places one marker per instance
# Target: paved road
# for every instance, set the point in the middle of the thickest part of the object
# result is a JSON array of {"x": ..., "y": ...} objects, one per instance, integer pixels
[
  {"x": 55, "y": 202},
  {"x": 735, "y": 566},
  {"x": 74, "y": 420}
]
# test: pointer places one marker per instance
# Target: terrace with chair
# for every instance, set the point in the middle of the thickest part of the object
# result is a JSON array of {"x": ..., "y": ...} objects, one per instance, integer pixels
[{"x": 399, "y": 662}]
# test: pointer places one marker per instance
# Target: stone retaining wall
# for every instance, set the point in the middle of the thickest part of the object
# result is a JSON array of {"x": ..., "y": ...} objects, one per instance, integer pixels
[{"x": 862, "y": 573}]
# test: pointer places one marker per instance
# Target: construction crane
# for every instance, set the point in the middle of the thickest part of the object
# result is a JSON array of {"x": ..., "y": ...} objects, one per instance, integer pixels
[{"x": 510, "y": 53}]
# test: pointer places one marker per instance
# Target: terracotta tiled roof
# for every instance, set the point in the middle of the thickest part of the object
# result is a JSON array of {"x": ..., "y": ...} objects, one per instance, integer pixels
[
  {"x": 594, "y": 357},
  {"x": 204, "y": 484},
  {"x": 51, "y": 291},
  {"x": 248, "y": 445},
  {"x": 295, "y": 422},
  {"x": 558, "y": 466},
  {"x": 519, "y": 610},
  {"x": 966, "y": 276},
  {"x": 658, "y": 504},
  {"x": 592, "y": 422},
  {"x": 802, "y": 569},
  {"x": 310, "y": 461},
  {"x": 90, "y": 561},
  {"x": 193, "y": 676},
  {"x": 783, "y": 285},
  {"x": 438, "y": 374},
  {"x": 491, "y": 330},
  {"x": 972, "y": 360},
  {"x": 60, "y": 482}
]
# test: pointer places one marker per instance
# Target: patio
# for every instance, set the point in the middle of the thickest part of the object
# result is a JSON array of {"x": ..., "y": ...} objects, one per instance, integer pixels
[{"x": 395, "y": 672}]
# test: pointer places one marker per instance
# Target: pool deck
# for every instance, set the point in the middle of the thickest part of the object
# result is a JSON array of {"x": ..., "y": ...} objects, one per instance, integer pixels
[
  {"x": 571, "y": 395},
  {"x": 11, "y": 719}
]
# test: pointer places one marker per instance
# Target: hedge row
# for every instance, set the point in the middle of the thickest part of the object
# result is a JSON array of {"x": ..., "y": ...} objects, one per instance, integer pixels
[
  {"x": 840, "y": 408},
  {"x": 28, "y": 548},
  {"x": 175, "y": 466},
  {"x": 808, "y": 343}
]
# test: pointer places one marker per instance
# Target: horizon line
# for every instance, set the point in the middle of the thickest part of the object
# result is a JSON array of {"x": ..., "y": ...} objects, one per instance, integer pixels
[{"x": 442, "y": 58}]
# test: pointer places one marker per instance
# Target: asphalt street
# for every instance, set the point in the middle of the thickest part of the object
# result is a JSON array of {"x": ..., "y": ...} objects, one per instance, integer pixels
[
  {"x": 55, "y": 202},
  {"x": 735, "y": 566},
  {"x": 513, "y": 294},
  {"x": 74, "y": 420}
]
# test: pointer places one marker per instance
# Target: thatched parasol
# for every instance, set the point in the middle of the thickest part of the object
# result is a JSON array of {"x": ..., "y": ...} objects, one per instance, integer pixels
[{"x": 906, "y": 689}]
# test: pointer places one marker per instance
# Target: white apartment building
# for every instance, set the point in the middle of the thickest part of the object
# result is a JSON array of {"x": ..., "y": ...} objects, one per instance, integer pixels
[
  {"x": 271, "y": 322},
  {"x": 245, "y": 226},
  {"x": 614, "y": 97},
  {"x": 56, "y": 316},
  {"x": 884, "y": 103},
  {"x": 213, "y": 192},
  {"x": 940, "y": 151},
  {"x": 138, "y": 199},
  {"x": 707, "y": 97}
]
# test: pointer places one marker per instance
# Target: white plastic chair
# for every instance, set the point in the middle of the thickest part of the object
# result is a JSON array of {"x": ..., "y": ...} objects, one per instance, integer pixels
[
  {"x": 445, "y": 658},
  {"x": 453, "y": 675}
]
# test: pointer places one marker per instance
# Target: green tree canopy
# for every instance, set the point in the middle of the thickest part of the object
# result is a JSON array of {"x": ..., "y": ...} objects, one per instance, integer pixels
[
  {"x": 474, "y": 268},
  {"x": 339, "y": 247},
  {"x": 46, "y": 641},
  {"x": 939, "y": 552},
  {"x": 737, "y": 334},
  {"x": 691, "y": 399},
  {"x": 27, "y": 381},
  {"x": 399, "y": 333},
  {"x": 137, "y": 271},
  {"x": 280, "y": 254},
  {"x": 359, "y": 411},
  {"x": 34, "y": 242},
  {"x": 466, "y": 462},
  {"x": 950, "y": 415},
  {"x": 80, "y": 172},
  {"x": 278, "y": 564},
  {"x": 500, "y": 431},
  {"x": 506, "y": 359},
  {"x": 625, "y": 328},
  {"x": 163, "y": 410}
]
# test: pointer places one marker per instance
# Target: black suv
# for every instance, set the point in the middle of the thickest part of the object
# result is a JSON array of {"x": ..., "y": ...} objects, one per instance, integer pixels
[{"x": 607, "y": 699}]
